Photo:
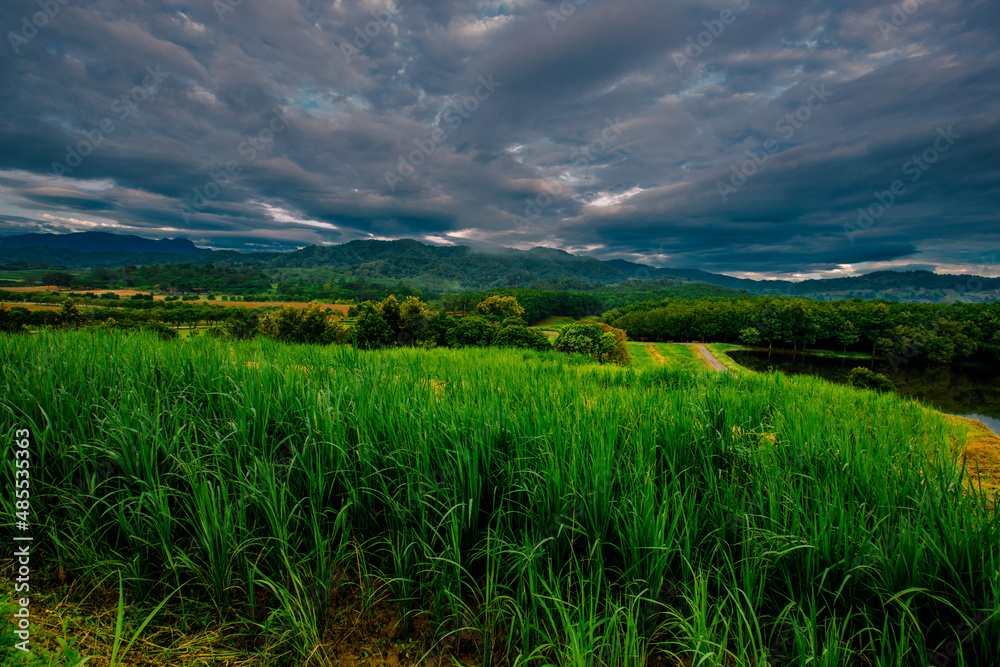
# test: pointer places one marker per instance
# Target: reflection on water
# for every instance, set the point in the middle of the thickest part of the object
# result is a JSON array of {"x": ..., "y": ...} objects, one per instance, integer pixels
[{"x": 970, "y": 392}]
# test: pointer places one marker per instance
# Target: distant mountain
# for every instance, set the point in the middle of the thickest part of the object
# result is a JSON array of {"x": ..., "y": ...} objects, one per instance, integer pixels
[
  {"x": 451, "y": 268},
  {"x": 75, "y": 260},
  {"x": 461, "y": 268},
  {"x": 905, "y": 286},
  {"x": 101, "y": 242}
]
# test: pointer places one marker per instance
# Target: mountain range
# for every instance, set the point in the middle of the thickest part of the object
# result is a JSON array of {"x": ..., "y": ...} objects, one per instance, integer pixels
[
  {"x": 101, "y": 242},
  {"x": 462, "y": 268}
]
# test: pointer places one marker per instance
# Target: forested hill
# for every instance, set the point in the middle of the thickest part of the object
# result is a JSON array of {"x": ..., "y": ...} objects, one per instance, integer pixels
[
  {"x": 102, "y": 242},
  {"x": 461, "y": 268}
]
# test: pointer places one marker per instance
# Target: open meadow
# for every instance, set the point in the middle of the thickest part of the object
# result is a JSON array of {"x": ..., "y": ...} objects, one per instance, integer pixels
[{"x": 310, "y": 505}]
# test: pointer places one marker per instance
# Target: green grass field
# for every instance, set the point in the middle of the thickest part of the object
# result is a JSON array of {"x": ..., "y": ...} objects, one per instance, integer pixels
[{"x": 308, "y": 506}]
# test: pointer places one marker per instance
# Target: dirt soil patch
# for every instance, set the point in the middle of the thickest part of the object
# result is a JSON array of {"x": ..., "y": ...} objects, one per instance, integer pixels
[{"x": 982, "y": 455}]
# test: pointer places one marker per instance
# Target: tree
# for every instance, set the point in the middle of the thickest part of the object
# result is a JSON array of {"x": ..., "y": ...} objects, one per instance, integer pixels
[
  {"x": 58, "y": 278},
  {"x": 243, "y": 323},
  {"x": 518, "y": 335},
  {"x": 619, "y": 354},
  {"x": 439, "y": 328},
  {"x": 847, "y": 334},
  {"x": 414, "y": 321},
  {"x": 389, "y": 309},
  {"x": 586, "y": 339},
  {"x": 994, "y": 344},
  {"x": 11, "y": 320},
  {"x": 472, "y": 331},
  {"x": 750, "y": 336},
  {"x": 70, "y": 315},
  {"x": 300, "y": 325},
  {"x": 372, "y": 332},
  {"x": 500, "y": 307}
]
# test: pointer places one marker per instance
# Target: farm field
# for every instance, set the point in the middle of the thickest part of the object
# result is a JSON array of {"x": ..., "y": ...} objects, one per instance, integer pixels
[{"x": 308, "y": 505}]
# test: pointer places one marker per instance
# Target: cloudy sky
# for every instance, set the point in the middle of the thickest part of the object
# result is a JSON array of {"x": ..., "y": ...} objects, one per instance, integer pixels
[{"x": 759, "y": 139}]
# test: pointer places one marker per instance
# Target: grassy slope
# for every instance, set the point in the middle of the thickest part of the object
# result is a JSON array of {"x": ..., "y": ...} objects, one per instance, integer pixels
[{"x": 577, "y": 486}]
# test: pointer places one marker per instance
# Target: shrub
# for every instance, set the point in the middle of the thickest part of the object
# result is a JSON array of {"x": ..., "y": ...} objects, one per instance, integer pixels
[
  {"x": 300, "y": 325},
  {"x": 600, "y": 341},
  {"x": 866, "y": 379},
  {"x": 518, "y": 335},
  {"x": 472, "y": 331},
  {"x": 11, "y": 320},
  {"x": 500, "y": 307},
  {"x": 372, "y": 331},
  {"x": 242, "y": 323},
  {"x": 619, "y": 354},
  {"x": 159, "y": 328}
]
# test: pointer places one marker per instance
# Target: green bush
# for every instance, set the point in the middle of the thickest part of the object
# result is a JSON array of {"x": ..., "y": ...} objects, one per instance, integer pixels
[
  {"x": 301, "y": 325},
  {"x": 866, "y": 379},
  {"x": 472, "y": 331},
  {"x": 586, "y": 339},
  {"x": 518, "y": 335}
]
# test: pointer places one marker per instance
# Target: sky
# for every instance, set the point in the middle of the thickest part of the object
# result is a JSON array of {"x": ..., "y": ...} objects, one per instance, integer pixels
[{"x": 759, "y": 139}]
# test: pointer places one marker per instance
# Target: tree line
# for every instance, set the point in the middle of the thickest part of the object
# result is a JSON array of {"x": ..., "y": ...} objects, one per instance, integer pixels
[
  {"x": 932, "y": 333},
  {"x": 497, "y": 321}
]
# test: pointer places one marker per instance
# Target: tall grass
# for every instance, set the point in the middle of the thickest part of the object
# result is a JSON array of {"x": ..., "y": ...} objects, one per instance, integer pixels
[{"x": 538, "y": 509}]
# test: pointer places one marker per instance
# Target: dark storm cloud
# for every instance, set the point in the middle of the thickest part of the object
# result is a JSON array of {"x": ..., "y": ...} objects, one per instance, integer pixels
[{"x": 612, "y": 128}]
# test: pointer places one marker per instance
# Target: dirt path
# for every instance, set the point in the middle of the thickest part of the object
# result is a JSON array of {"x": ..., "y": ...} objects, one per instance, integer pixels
[
  {"x": 716, "y": 364},
  {"x": 707, "y": 356}
]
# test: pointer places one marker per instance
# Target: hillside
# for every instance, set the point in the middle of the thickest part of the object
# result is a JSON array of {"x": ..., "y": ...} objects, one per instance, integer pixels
[
  {"x": 102, "y": 242},
  {"x": 461, "y": 268}
]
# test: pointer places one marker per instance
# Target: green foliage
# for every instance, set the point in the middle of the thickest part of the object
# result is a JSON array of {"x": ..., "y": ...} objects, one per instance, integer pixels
[
  {"x": 867, "y": 379},
  {"x": 472, "y": 331},
  {"x": 58, "y": 278},
  {"x": 750, "y": 336},
  {"x": 372, "y": 332},
  {"x": 518, "y": 335},
  {"x": 11, "y": 319},
  {"x": 619, "y": 354},
  {"x": 587, "y": 339},
  {"x": 933, "y": 333},
  {"x": 537, "y": 305},
  {"x": 161, "y": 330},
  {"x": 312, "y": 324},
  {"x": 415, "y": 322},
  {"x": 500, "y": 308},
  {"x": 243, "y": 323},
  {"x": 70, "y": 315}
]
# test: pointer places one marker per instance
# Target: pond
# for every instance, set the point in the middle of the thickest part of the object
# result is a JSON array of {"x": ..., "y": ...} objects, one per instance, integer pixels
[{"x": 969, "y": 392}]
